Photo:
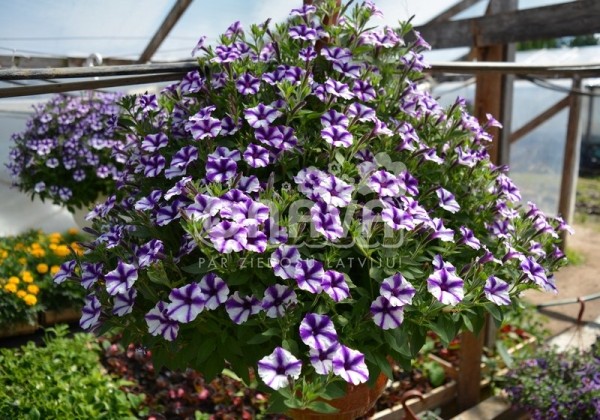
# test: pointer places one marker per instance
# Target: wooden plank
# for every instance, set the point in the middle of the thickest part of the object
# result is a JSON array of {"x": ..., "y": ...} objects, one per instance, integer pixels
[
  {"x": 14, "y": 92},
  {"x": 540, "y": 119},
  {"x": 23, "y": 61},
  {"x": 487, "y": 409},
  {"x": 170, "y": 21},
  {"x": 469, "y": 371},
  {"x": 565, "y": 19},
  {"x": 470, "y": 67},
  {"x": 66, "y": 73},
  {"x": 566, "y": 201},
  {"x": 436, "y": 398},
  {"x": 452, "y": 11}
]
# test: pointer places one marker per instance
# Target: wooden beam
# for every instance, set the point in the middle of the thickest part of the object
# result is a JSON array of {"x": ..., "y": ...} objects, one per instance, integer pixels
[
  {"x": 87, "y": 85},
  {"x": 565, "y": 19},
  {"x": 540, "y": 119},
  {"x": 66, "y": 73},
  {"x": 470, "y": 67},
  {"x": 22, "y": 61},
  {"x": 176, "y": 12},
  {"x": 570, "y": 160},
  {"x": 452, "y": 11},
  {"x": 469, "y": 370}
]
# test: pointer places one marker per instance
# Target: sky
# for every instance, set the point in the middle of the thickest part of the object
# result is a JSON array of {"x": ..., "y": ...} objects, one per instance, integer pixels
[{"x": 122, "y": 28}]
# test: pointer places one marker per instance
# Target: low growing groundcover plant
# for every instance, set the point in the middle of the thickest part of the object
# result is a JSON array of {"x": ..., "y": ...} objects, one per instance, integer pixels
[
  {"x": 300, "y": 206},
  {"x": 61, "y": 380}
]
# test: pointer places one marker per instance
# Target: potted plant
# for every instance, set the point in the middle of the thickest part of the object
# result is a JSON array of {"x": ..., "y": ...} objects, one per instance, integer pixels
[
  {"x": 299, "y": 206},
  {"x": 65, "y": 152},
  {"x": 557, "y": 384}
]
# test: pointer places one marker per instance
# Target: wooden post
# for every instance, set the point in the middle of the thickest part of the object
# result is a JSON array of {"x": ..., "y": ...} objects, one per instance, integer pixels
[
  {"x": 493, "y": 95},
  {"x": 571, "y": 159}
]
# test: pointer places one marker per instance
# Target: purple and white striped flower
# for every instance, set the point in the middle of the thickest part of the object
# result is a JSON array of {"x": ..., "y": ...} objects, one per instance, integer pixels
[
  {"x": 283, "y": 261},
  {"x": 468, "y": 238},
  {"x": 123, "y": 302},
  {"x": 276, "y": 299},
  {"x": 397, "y": 290},
  {"x": 361, "y": 112},
  {"x": 336, "y": 54},
  {"x": 534, "y": 271},
  {"x": 153, "y": 165},
  {"x": 153, "y": 142},
  {"x": 90, "y": 273},
  {"x": 276, "y": 369},
  {"x": 271, "y": 136},
  {"x": 192, "y": 82},
  {"x": 303, "y": 33},
  {"x": 307, "y": 54},
  {"x": 239, "y": 308},
  {"x": 348, "y": 69},
  {"x": 334, "y": 191},
  {"x": 338, "y": 89},
  {"x": 322, "y": 359},
  {"x": 261, "y": 115},
  {"x": 220, "y": 170},
  {"x": 214, "y": 291},
  {"x": 150, "y": 202},
  {"x": 65, "y": 272},
  {"x": 397, "y": 218},
  {"x": 334, "y": 118},
  {"x": 363, "y": 91},
  {"x": 228, "y": 237},
  {"x": 159, "y": 322},
  {"x": 204, "y": 128},
  {"x": 326, "y": 220},
  {"x": 121, "y": 279},
  {"x": 247, "y": 84},
  {"x": 169, "y": 212},
  {"x": 184, "y": 157},
  {"x": 350, "y": 365},
  {"x": 496, "y": 291},
  {"x": 334, "y": 284},
  {"x": 204, "y": 206},
  {"x": 385, "y": 315},
  {"x": 338, "y": 136},
  {"x": 186, "y": 302},
  {"x": 440, "y": 231},
  {"x": 309, "y": 275},
  {"x": 256, "y": 156},
  {"x": 317, "y": 331},
  {"x": 447, "y": 200},
  {"x": 445, "y": 285},
  {"x": 384, "y": 183},
  {"x": 90, "y": 313}
]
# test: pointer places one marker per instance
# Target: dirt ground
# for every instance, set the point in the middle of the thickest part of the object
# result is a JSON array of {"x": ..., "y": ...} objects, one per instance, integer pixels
[{"x": 574, "y": 281}]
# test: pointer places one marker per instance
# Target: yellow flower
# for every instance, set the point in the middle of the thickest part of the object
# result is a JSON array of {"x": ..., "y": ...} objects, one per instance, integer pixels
[
  {"x": 10, "y": 287},
  {"x": 33, "y": 289},
  {"x": 35, "y": 245},
  {"x": 4, "y": 253},
  {"x": 55, "y": 237},
  {"x": 62, "y": 251},
  {"x": 27, "y": 276},
  {"x": 21, "y": 294},
  {"x": 52, "y": 246},
  {"x": 19, "y": 246},
  {"x": 30, "y": 300},
  {"x": 14, "y": 280},
  {"x": 54, "y": 269},
  {"x": 77, "y": 248},
  {"x": 22, "y": 260},
  {"x": 38, "y": 253},
  {"x": 73, "y": 231},
  {"x": 42, "y": 268}
]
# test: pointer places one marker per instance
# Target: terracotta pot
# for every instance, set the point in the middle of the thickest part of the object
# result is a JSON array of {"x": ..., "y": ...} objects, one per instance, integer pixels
[{"x": 359, "y": 399}]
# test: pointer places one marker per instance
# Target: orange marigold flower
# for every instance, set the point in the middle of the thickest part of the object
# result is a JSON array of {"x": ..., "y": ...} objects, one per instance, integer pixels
[
  {"x": 62, "y": 251},
  {"x": 73, "y": 231},
  {"x": 42, "y": 268},
  {"x": 30, "y": 300},
  {"x": 21, "y": 294},
  {"x": 22, "y": 260},
  {"x": 27, "y": 276},
  {"x": 33, "y": 289},
  {"x": 54, "y": 269},
  {"x": 10, "y": 287},
  {"x": 14, "y": 280}
]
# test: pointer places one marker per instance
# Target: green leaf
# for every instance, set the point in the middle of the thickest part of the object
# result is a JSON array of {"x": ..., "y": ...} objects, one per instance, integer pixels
[
  {"x": 435, "y": 372},
  {"x": 495, "y": 312},
  {"x": 157, "y": 274},
  {"x": 276, "y": 403},
  {"x": 205, "y": 349},
  {"x": 292, "y": 403},
  {"x": 467, "y": 322},
  {"x": 322, "y": 407},
  {"x": 334, "y": 390},
  {"x": 504, "y": 354},
  {"x": 444, "y": 328},
  {"x": 264, "y": 336}
]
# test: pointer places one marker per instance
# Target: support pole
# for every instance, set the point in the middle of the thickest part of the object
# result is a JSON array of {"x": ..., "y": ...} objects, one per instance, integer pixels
[{"x": 571, "y": 159}]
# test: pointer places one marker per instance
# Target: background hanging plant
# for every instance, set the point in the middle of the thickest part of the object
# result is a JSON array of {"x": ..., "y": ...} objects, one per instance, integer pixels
[
  {"x": 307, "y": 212},
  {"x": 65, "y": 153}
]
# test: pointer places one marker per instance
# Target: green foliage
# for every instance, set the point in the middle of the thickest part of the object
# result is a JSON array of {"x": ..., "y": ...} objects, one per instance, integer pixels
[{"x": 60, "y": 380}]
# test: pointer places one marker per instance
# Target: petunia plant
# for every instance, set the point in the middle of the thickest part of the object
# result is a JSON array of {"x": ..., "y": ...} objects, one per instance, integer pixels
[
  {"x": 300, "y": 206},
  {"x": 65, "y": 153}
]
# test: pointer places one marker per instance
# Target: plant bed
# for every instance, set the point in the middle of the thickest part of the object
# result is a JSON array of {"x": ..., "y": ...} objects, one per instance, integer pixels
[
  {"x": 17, "y": 329},
  {"x": 60, "y": 316}
]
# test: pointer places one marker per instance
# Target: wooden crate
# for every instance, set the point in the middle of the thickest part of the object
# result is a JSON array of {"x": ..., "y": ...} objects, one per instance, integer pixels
[{"x": 63, "y": 316}]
